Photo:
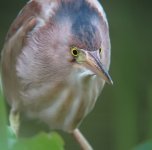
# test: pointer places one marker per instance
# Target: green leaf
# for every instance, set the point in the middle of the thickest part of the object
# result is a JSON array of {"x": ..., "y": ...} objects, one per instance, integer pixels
[
  {"x": 42, "y": 141},
  {"x": 145, "y": 146},
  {"x": 11, "y": 138},
  {"x": 3, "y": 122}
]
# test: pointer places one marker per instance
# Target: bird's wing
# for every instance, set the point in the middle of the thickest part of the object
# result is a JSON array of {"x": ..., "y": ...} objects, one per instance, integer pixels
[
  {"x": 16, "y": 36},
  {"x": 30, "y": 11}
]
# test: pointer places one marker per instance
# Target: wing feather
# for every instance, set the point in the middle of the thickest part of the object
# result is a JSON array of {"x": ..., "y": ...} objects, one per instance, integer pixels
[{"x": 32, "y": 9}]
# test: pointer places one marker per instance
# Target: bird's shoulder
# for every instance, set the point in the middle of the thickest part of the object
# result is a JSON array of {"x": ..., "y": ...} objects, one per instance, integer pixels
[{"x": 31, "y": 9}]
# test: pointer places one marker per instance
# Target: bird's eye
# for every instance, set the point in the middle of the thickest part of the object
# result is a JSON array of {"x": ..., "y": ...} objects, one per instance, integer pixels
[
  {"x": 100, "y": 50},
  {"x": 74, "y": 51}
]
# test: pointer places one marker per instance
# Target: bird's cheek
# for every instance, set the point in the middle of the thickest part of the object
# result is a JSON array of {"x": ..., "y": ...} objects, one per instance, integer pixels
[{"x": 69, "y": 58}]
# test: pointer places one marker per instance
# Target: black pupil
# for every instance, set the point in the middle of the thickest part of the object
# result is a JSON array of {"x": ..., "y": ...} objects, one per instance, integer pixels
[
  {"x": 100, "y": 50},
  {"x": 75, "y": 52}
]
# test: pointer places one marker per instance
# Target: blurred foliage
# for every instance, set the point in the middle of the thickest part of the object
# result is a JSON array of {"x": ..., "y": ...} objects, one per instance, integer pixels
[
  {"x": 145, "y": 146},
  {"x": 3, "y": 125},
  {"x": 42, "y": 141},
  {"x": 122, "y": 118},
  {"x": 8, "y": 141}
]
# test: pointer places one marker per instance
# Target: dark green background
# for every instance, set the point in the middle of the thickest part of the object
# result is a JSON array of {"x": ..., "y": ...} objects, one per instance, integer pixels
[{"x": 122, "y": 117}]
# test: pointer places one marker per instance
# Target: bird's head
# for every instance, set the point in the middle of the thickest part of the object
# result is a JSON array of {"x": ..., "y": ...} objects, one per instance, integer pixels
[
  {"x": 89, "y": 43},
  {"x": 80, "y": 31},
  {"x": 86, "y": 35}
]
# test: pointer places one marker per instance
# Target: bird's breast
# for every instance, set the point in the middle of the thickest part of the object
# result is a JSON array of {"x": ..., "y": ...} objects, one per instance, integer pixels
[
  {"x": 66, "y": 103},
  {"x": 58, "y": 94}
]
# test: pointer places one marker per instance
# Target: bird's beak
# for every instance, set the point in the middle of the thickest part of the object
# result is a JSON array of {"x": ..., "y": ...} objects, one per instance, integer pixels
[{"x": 93, "y": 62}]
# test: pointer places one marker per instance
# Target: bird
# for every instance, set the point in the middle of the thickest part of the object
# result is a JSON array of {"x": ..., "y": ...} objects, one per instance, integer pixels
[{"x": 55, "y": 62}]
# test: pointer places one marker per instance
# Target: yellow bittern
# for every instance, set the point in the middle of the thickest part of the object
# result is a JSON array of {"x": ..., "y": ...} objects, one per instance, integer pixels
[{"x": 55, "y": 63}]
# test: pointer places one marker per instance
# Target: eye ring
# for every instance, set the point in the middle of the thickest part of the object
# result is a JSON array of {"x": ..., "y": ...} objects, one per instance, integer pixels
[
  {"x": 100, "y": 50},
  {"x": 74, "y": 51}
]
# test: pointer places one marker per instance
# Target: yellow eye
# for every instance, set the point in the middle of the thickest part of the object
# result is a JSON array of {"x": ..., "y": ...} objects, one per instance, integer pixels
[
  {"x": 100, "y": 50},
  {"x": 74, "y": 51}
]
